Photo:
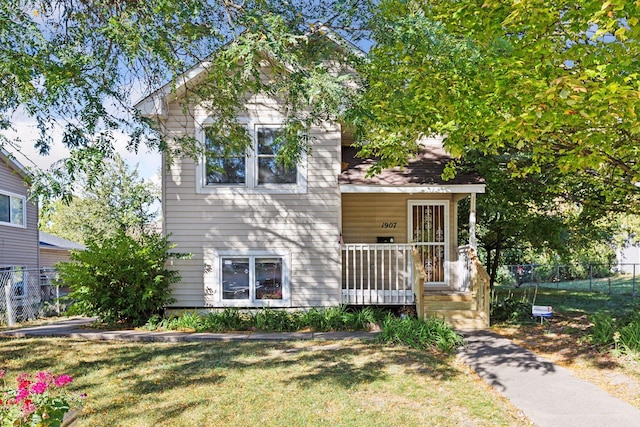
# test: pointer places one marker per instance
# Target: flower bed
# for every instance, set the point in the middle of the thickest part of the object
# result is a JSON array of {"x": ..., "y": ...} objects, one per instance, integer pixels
[{"x": 38, "y": 400}]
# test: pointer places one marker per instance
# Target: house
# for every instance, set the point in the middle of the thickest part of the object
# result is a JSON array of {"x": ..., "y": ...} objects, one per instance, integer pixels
[
  {"x": 55, "y": 249},
  {"x": 18, "y": 217},
  {"x": 321, "y": 234},
  {"x": 19, "y": 256}
]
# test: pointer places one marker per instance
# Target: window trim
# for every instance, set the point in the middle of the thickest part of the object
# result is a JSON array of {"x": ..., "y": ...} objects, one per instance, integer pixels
[
  {"x": 23, "y": 200},
  {"x": 216, "y": 286},
  {"x": 251, "y": 185}
]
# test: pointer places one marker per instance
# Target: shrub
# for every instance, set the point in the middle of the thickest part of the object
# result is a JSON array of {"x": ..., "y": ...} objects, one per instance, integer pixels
[
  {"x": 508, "y": 308},
  {"x": 621, "y": 334},
  {"x": 229, "y": 319},
  {"x": 420, "y": 334},
  {"x": 120, "y": 279}
]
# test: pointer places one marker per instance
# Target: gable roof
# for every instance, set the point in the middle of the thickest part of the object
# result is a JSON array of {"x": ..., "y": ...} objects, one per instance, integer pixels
[
  {"x": 10, "y": 160},
  {"x": 49, "y": 241},
  {"x": 155, "y": 105},
  {"x": 422, "y": 174}
]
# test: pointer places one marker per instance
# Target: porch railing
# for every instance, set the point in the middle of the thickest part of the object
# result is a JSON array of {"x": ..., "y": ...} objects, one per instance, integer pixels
[
  {"x": 377, "y": 274},
  {"x": 473, "y": 277}
]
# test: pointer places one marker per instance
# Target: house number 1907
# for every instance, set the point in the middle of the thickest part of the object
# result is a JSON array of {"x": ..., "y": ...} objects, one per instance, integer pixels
[{"x": 389, "y": 224}]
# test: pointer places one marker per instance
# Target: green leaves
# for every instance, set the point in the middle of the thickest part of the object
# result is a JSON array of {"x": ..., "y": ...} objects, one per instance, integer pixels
[
  {"x": 554, "y": 79},
  {"x": 121, "y": 278}
]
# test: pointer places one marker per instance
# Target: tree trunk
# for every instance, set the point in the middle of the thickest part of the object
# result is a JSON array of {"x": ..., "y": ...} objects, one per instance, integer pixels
[{"x": 493, "y": 267}]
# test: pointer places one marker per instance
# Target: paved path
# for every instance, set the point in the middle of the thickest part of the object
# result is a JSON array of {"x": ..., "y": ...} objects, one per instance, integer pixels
[
  {"x": 77, "y": 328},
  {"x": 549, "y": 395}
]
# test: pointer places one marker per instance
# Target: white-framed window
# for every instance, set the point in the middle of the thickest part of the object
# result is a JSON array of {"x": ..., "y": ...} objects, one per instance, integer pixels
[
  {"x": 13, "y": 209},
  {"x": 270, "y": 171},
  {"x": 255, "y": 171},
  {"x": 254, "y": 279},
  {"x": 222, "y": 165}
]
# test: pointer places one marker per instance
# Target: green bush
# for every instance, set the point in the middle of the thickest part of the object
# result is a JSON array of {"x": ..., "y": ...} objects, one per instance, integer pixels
[
  {"x": 508, "y": 308},
  {"x": 620, "y": 334},
  {"x": 121, "y": 278},
  {"x": 420, "y": 334}
]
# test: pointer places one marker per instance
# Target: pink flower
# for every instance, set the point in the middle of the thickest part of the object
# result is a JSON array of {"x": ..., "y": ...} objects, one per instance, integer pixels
[
  {"x": 45, "y": 377},
  {"x": 2, "y": 373},
  {"x": 28, "y": 407},
  {"x": 62, "y": 380},
  {"x": 39, "y": 388},
  {"x": 22, "y": 394}
]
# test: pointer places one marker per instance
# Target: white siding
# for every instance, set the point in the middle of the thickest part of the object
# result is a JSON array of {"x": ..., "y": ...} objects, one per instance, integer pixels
[
  {"x": 18, "y": 245},
  {"x": 49, "y": 257},
  {"x": 306, "y": 226}
]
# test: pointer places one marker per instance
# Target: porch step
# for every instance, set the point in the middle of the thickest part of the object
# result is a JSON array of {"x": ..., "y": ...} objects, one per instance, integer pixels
[
  {"x": 459, "y": 309},
  {"x": 460, "y": 319},
  {"x": 449, "y": 301}
]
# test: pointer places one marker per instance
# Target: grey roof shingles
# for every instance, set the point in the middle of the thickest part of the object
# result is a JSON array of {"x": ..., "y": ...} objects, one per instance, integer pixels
[{"x": 426, "y": 169}]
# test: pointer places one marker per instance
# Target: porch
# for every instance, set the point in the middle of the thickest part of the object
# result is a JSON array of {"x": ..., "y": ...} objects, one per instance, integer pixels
[{"x": 414, "y": 274}]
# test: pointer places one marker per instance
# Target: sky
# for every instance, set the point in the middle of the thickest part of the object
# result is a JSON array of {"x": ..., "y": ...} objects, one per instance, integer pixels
[{"x": 26, "y": 131}]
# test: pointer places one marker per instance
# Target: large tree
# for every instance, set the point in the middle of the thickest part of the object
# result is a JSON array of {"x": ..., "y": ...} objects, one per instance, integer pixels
[
  {"x": 530, "y": 217},
  {"x": 115, "y": 200},
  {"x": 557, "y": 80},
  {"x": 81, "y": 65}
]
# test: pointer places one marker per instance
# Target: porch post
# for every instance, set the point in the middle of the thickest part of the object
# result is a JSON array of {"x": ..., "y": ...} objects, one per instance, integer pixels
[{"x": 472, "y": 221}]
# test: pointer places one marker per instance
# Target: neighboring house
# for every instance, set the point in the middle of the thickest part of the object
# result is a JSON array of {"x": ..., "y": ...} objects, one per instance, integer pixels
[
  {"x": 320, "y": 235},
  {"x": 18, "y": 230},
  {"x": 55, "y": 249},
  {"x": 18, "y": 216}
]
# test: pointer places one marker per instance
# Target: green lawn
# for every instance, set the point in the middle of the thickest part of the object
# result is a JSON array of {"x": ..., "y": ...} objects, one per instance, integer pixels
[
  {"x": 572, "y": 300},
  {"x": 615, "y": 285},
  {"x": 345, "y": 383}
]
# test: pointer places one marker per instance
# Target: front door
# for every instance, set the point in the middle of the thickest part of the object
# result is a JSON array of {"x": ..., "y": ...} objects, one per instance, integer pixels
[{"x": 429, "y": 231}]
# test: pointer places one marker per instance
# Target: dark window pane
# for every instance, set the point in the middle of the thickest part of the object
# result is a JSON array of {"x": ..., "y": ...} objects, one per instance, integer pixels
[
  {"x": 268, "y": 278},
  {"x": 270, "y": 172},
  {"x": 225, "y": 170},
  {"x": 5, "y": 213},
  {"x": 235, "y": 278},
  {"x": 223, "y": 166},
  {"x": 267, "y": 141}
]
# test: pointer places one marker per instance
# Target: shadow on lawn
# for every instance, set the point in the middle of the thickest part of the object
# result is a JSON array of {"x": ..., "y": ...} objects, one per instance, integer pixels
[{"x": 146, "y": 370}]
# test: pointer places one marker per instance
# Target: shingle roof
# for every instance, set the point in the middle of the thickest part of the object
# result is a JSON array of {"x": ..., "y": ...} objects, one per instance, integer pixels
[
  {"x": 426, "y": 169},
  {"x": 49, "y": 241}
]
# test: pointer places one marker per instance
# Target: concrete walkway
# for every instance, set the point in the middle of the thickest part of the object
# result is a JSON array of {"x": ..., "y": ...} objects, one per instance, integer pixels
[
  {"x": 78, "y": 328},
  {"x": 549, "y": 395}
]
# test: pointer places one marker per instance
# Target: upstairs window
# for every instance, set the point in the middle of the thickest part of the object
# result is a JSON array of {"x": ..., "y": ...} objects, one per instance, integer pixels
[
  {"x": 12, "y": 209},
  {"x": 270, "y": 170},
  {"x": 223, "y": 165},
  {"x": 253, "y": 169}
]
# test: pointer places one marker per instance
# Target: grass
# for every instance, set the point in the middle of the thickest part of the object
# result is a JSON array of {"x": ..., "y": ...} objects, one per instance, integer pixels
[
  {"x": 568, "y": 300},
  {"x": 346, "y": 383},
  {"x": 620, "y": 284}
]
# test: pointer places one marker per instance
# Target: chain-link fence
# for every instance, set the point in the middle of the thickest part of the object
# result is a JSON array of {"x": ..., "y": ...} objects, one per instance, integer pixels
[
  {"x": 621, "y": 278},
  {"x": 27, "y": 294}
]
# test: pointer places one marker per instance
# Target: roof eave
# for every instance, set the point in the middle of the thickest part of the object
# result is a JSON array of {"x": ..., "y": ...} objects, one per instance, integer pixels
[{"x": 425, "y": 189}]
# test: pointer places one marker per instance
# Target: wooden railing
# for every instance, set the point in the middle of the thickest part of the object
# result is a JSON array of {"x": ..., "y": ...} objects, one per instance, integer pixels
[
  {"x": 377, "y": 274},
  {"x": 419, "y": 276},
  {"x": 479, "y": 284}
]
